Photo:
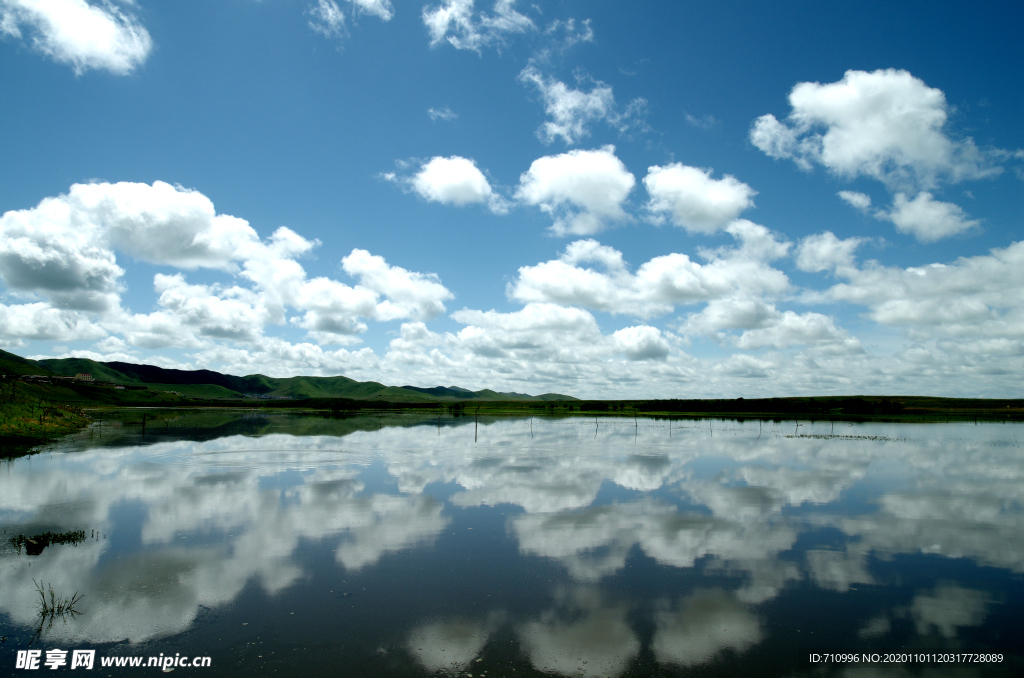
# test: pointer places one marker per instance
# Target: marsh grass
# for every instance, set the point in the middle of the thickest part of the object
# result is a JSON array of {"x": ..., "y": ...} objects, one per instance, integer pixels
[
  {"x": 53, "y": 606},
  {"x": 34, "y": 545}
]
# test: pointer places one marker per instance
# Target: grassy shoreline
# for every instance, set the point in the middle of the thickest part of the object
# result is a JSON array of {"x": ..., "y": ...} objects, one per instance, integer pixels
[{"x": 27, "y": 419}]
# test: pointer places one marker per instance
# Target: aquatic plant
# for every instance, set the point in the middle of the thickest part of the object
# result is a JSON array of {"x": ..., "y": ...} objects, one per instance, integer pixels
[{"x": 34, "y": 545}]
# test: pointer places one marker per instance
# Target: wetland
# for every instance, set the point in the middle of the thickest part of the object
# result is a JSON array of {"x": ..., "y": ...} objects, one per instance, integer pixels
[{"x": 419, "y": 544}]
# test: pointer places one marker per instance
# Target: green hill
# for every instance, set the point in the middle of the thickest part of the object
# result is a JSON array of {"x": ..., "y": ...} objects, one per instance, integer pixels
[
  {"x": 15, "y": 364},
  {"x": 214, "y": 385}
]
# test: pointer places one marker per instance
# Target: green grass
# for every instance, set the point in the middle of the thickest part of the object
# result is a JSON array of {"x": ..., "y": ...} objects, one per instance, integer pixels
[
  {"x": 196, "y": 390},
  {"x": 27, "y": 420}
]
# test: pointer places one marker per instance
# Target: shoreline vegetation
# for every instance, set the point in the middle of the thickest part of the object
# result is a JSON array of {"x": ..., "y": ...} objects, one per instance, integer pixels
[{"x": 42, "y": 401}]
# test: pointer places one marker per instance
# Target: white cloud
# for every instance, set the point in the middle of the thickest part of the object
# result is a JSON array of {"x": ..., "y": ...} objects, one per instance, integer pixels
[
  {"x": 583, "y": 190},
  {"x": 455, "y": 181},
  {"x": 824, "y": 251},
  {"x": 859, "y": 201},
  {"x": 706, "y": 121},
  {"x": 656, "y": 287},
  {"x": 572, "y": 110},
  {"x": 64, "y": 251},
  {"x": 694, "y": 200},
  {"x": 571, "y": 34},
  {"x": 278, "y": 358},
  {"x": 763, "y": 325},
  {"x": 538, "y": 332},
  {"x": 43, "y": 322},
  {"x": 332, "y": 309},
  {"x": 458, "y": 23},
  {"x": 928, "y": 219},
  {"x": 408, "y": 294},
  {"x": 378, "y": 8},
  {"x": 923, "y": 217},
  {"x": 52, "y": 251},
  {"x": 233, "y": 313},
  {"x": 328, "y": 19},
  {"x": 158, "y": 223},
  {"x": 79, "y": 34},
  {"x": 886, "y": 124},
  {"x": 451, "y": 181},
  {"x": 642, "y": 342},
  {"x": 445, "y": 114},
  {"x": 972, "y": 298}
]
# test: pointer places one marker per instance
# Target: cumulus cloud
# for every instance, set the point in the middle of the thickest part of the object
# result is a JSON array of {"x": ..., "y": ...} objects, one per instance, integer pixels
[
  {"x": 537, "y": 331},
  {"x": 582, "y": 190},
  {"x": 886, "y": 124},
  {"x": 924, "y": 217},
  {"x": 658, "y": 285},
  {"x": 455, "y": 181},
  {"x": 763, "y": 325},
  {"x": 642, "y": 342},
  {"x": 63, "y": 250},
  {"x": 459, "y": 24},
  {"x": 451, "y": 181},
  {"x": 61, "y": 264},
  {"x": 233, "y": 312},
  {"x": 408, "y": 294},
  {"x": 973, "y": 298},
  {"x": 693, "y": 200},
  {"x": 824, "y": 252},
  {"x": 928, "y": 219},
  {"x": 572, "y": 110},
  {"x": 158, "y": 223},
  {"x": 74, "y": 32},
  {"x": 43, "y": 322}
]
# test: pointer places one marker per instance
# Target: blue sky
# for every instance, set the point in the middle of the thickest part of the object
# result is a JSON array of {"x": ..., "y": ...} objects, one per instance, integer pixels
[{"x": 593, "y": 198}]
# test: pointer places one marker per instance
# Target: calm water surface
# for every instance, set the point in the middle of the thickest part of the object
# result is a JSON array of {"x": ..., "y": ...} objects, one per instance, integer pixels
[{"x": 403, "y": 547}]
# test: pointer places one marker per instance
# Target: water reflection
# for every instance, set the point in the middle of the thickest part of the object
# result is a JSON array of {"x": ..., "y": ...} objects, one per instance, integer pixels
[{"x": 579, "y": 555}]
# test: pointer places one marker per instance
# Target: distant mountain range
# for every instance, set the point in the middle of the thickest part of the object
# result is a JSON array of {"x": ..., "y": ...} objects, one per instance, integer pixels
[{"x": 210, "y": 384}]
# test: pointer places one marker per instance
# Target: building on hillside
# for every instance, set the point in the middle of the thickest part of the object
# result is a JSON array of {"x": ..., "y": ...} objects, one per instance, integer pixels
[{"x": 83, "y": 376}]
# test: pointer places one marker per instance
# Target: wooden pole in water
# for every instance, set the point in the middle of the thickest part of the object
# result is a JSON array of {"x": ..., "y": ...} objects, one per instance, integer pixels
[{"x": 476, "y": 423}]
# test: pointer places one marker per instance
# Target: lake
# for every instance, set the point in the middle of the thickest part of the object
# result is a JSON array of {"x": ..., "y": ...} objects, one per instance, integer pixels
[{"x": 413, "y": 546}]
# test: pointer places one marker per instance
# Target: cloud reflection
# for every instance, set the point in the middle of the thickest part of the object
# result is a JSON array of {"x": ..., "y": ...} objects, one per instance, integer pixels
[{"x": 212, "y": 516}]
